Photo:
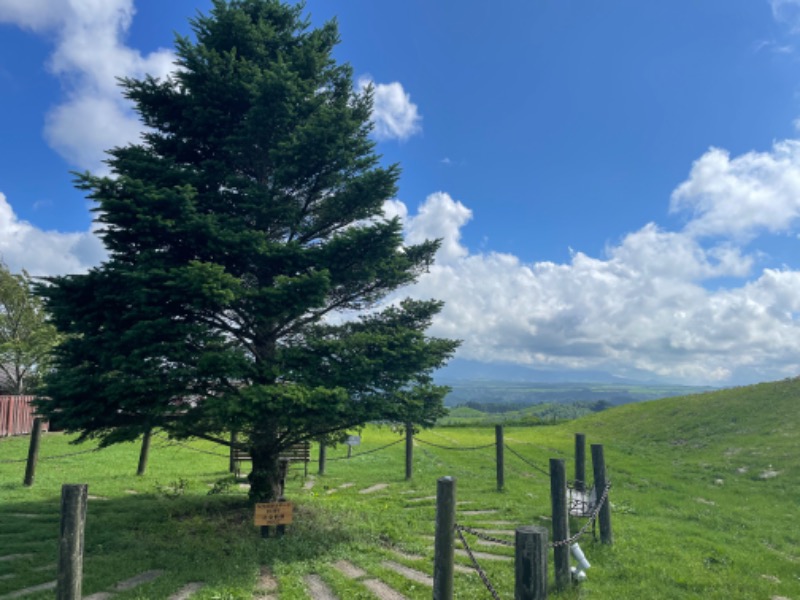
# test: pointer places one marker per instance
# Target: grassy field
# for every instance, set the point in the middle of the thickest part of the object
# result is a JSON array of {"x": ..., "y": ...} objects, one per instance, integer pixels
[{"x": 704, "y": 502}]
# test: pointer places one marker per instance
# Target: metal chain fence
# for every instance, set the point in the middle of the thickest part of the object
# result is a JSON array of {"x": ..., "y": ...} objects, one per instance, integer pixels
[
  {"x": 22, "y": 460},
  {"x": 394, "y": 443},
  {"x": 525, "y": 460},
  {"x": 574, "y": 538},
  {"x": 475, "y": 564},
  {"x": 453, "y": 447}
]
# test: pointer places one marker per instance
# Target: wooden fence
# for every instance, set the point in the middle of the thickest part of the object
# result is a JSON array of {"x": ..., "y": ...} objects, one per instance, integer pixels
[{"x": 16, "y": 415}]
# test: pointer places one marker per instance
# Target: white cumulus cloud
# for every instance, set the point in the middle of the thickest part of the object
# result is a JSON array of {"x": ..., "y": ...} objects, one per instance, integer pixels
[
  {"x": 89, "y": 54},
  {"x": 642, "y": 309},
  {"x": 744, "y": 196},
  {"x": 393, "y": 113},
  {"x": 25, "y": 246}
]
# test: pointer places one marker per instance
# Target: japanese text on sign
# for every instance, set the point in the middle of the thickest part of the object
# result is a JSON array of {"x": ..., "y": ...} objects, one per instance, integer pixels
[{"x": 273, "y": 513}]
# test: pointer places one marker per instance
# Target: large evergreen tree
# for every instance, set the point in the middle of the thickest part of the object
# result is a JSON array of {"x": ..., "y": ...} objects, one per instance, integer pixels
[{"x": 248, "y": 251}]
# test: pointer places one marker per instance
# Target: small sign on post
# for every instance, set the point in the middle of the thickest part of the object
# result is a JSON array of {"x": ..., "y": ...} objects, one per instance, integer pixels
[
  {"x": 273, "y": 513},
  {"x": 352, "y": 440}
]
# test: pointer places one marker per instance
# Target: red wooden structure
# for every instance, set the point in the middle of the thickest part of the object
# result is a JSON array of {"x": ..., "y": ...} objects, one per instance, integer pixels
[{"x": 16, "y": 415}]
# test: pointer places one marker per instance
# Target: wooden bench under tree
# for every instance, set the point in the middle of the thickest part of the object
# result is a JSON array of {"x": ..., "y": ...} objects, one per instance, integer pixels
[{"x": 293, "y": 454}]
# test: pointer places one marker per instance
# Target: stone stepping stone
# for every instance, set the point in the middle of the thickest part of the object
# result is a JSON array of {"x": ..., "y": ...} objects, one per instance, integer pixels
[
  {"x": 407, "y": 555},
  {"x": 127, "y": 584},
  {"x": 308, "y": 485},
  {"x": 9, "y": 557},
  {"x": 266, "y": 580},
  {"x": 42, "y": 587},
  {"x": 489, "y": 543},
  {"x": 318, "y": 589},
  {"x": 423, "y": 499},
  {"x": 382, "y": 591},
  {"x": 137, "y": 580},
  {"x": 510, "y": 532},
  {"x": 484, "y": 555},
  {"x": 186, "y": 591},
  {"x": 90, "y": 497},
  {"x": 409, "y": 573},
  {"x": 464, "y": 570},
  {"x": 344, "y": 486},
  {"x": 7, "y": 576},
  {"x": 375, "y": 488},
  {"x": 348, "y": 569},
  {"x": 497, "y": 523},
  {"x": 488, "y": 511}
]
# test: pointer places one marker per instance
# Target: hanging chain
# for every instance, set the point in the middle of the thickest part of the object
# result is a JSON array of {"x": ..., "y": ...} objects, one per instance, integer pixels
[
  {"x": 588, "y": 523},
  {"x": 475, "y": 564},
  {"x": 525, "y": 460},
  {"x": 452, "y": 447}
]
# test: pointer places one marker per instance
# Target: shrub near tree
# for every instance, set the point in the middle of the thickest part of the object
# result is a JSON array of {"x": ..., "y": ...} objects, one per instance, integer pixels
[
  {"x": 248, "y": 257},
  {"x": 26, "y": 336}
]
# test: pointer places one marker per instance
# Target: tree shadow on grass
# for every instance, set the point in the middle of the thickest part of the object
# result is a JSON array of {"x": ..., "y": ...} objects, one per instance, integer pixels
[{"x": 190, "y": 537}]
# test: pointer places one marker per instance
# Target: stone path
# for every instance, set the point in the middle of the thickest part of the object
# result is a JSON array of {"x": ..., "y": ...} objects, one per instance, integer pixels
[
  {"x": 318, "y": 589},
  {"x": 376, "y": 586},
  {"x": 125, "y": 585},
  {"x": 375, "y": 488},
  {"x": 267, "y": 587}
]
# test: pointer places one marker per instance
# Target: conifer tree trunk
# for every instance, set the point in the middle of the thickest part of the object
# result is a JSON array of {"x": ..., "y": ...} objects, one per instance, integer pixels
[{"x": 265, "y": 478}]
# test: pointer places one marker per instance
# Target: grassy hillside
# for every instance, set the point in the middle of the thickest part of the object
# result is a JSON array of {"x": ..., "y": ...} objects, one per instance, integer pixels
[{"x": 704, "y": 502}]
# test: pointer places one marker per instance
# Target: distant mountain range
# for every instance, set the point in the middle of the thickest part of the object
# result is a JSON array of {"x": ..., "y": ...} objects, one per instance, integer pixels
[{"x": 479, "y": 382}]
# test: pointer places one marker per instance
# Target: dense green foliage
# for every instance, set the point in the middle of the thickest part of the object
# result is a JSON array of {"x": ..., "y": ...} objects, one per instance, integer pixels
[
  {"x": 246, "y": 233},
  {"x": 26, "y": 336}
]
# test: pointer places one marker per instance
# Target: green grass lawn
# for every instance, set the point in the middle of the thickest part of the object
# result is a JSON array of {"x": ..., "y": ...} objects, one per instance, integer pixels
[{"x": 695, "y": 512}]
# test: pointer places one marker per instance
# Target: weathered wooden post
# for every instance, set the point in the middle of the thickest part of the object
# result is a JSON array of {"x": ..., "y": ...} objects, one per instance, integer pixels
[
  {"x": 33, "y": 452},
  {"x": 499, "y": 450},
  {"x": 322, "y": 453},
  {"x": 580, "y": 462},
  {"x": 232, "y": 457},
  {"x": 70, "y": 548},
  {"x": 409, "y": 451},
  {"x": 558, "y": 497},
  {"x": 604, "y": 518},
  {"x": 530, "y": 563},
  {"x": 144, "y": 452},
  {"x": 444, "y": 541},
  {"x": 280, "y": 530}
]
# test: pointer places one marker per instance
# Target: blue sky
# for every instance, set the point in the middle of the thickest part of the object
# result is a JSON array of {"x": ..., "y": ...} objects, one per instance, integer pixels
[{"x": 617, "y": 184}]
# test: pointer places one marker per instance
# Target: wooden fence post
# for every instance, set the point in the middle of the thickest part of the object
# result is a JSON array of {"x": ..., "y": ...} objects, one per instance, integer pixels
[
  {"x": 580, "y": 462},
  {"x": 558, "y": 497},
  {"x": 530, "y": 563},
  {"x": 443, "y": 550},
  {"x": 322, "y": 452},
  {"x": 144, "y": 452},
  {"x": 409, "y": 451},
  {"x": 499, "y": 451},
  {"x": 70, "y": 549},
  {"x": 604, "y": 518},
  {"x": 33, "y": 452}
]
